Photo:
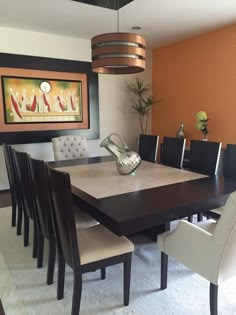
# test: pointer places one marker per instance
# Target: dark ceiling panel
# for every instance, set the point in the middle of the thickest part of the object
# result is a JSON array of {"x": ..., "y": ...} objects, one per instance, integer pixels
[{"x": 109, "y": 4}]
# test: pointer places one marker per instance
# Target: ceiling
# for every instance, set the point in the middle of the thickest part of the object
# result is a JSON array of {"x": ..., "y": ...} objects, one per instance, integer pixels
[{"x": 162, "y": 21}]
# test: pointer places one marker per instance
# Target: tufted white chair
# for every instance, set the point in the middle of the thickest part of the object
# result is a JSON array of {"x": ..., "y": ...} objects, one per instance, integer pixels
[
  {"x": 208, "y": 248},
  {"x": 69, "y": 147}
]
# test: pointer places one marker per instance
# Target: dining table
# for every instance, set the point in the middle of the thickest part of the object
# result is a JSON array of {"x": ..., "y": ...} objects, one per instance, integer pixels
[{"x": 153, "y": 196}]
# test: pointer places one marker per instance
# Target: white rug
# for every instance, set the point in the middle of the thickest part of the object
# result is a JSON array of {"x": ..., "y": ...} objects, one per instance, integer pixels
[{"x": 23, "y": 288}]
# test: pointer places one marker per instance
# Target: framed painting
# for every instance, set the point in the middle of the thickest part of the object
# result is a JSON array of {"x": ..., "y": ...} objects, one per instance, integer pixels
[
  {"x": 34, "y": 100},
  {"x": 42, "y": 100},
  {"x": 53, "y": 97}
]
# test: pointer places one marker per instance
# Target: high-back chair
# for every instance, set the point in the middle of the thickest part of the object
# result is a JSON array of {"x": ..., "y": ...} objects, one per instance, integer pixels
[
  {"x": 172, "y": 153},
  {"x": 208, "y": 248},
  {"x": 229, "y": 170},
  {"x": 70, "y": 147},
  {"x": 18, "y": 192},
  {"x": 204, "y": 156},
  {"x": 10, "y": 174},
  {"x": 230, "y": 161},
  {"x": 45, "y": 210},
  {"x": 43, "y": 205},
  {"x": 30, "y": 213},
  {"x": 86, "y": 249},
  {"x": 147, "y": 147}
]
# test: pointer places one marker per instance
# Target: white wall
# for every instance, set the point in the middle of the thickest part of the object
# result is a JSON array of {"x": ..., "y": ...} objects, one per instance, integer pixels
[{"x": 113, "y": 98}]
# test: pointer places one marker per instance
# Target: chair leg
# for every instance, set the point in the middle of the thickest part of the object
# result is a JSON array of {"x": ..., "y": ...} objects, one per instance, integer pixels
[
  {"x": 19, "y": 219},
  {"x": 213, "y": 299},
  {"x": 103, "y": 273},
  {"x": 51, "y": 260},
  {"x": 164, "y": 270},
  {"x": 13, "y": 217},
  {"x": 127, "y": 273},
  {"x": 40, "y": 250},
  {"x": 35, "y": 241},
  {"x": 60, "y": 276},
  {"x": 77, "y": 290},
  {"x": 190, "y": 219},
  {"x": 200, "y": 217},
  {"x": 26, "y": 230}
]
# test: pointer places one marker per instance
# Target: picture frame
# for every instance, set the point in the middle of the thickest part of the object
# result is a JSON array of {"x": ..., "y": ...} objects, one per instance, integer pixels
[
  {"x": 62, "y": 69},
  {"x": 34, "y": 100}
]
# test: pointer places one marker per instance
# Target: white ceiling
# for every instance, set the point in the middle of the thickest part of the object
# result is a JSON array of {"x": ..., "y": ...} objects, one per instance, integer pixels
[{"x": 162, "y": 21}]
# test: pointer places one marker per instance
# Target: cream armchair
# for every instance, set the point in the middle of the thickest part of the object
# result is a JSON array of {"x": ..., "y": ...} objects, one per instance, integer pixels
[
  {"x": 69, "y": 147},
  {"x": 208, "y": 248}
]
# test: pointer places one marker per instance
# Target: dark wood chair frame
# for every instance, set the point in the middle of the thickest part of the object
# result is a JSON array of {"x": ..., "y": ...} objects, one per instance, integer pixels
[
  {"x": 13, "y": 183},
  {"x": 65, "y": 222},
  {"x": 148, "y": 147},
  {"x": 29, "y": 206},
  {"x": 216, "y": 147},
  {"x": 43, "y": 205},
  {"x": 213, "y": 294},
  {"x": 229, "y": 170},
  {"x": 177, "y": 146}
]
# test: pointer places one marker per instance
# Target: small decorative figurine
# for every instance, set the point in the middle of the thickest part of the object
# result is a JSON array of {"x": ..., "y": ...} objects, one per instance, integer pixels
[{"x": 180, "y": 132}]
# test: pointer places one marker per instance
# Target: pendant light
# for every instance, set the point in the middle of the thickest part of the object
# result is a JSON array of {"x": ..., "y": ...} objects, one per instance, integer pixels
[{"x": 118, "y": 53}]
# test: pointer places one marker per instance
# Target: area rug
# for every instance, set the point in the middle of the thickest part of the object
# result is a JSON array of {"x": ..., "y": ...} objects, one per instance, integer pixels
[{"x": 23, "y": 288}]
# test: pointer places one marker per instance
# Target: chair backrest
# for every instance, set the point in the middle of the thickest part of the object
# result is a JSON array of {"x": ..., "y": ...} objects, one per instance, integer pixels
[
  {"x": 204, "y": 156},
  {"x": 42, "y": 196},
  {"x": 230, "y": 161},
  {"x": 25, "y": 181},
  {"x": 225, "y": 238},
  {"x": 148, "y": 145},
  {"x": 16, "y": 188},
  {"x": 10, "y": 174},
  {"x": 172, "y": 153},
  {"x": 70, "y": 147},
  {"x": 60, "y": 188}
]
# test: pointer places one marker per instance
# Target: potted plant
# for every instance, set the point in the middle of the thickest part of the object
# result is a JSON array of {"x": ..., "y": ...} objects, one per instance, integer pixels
[
  {"x": 142, "y": 102},
  {"x": 201, "y": 123}
]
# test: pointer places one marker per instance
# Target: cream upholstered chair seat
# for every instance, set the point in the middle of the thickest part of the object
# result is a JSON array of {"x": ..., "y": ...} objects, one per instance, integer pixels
[
  {"x": 70, "y": 147},
  {"x": 98, "y": 243},
  {"x": 83, "y": 220},
  {"x": 208, "y": 248}
]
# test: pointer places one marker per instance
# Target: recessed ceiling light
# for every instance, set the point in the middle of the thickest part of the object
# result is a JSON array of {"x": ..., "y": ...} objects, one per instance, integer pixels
[{"x": 136, "y": 28}]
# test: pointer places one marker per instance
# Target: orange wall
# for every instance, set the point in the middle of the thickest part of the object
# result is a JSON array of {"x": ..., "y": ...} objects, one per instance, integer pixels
[{"x": 193, "y": 75}]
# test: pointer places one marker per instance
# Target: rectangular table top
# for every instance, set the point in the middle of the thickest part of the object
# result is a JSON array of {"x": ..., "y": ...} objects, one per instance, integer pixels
[{"x": 103, "y": 180}]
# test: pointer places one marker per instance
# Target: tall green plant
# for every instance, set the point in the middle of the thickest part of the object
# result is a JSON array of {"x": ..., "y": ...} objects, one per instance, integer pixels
[{"x": 142, "y": 103}]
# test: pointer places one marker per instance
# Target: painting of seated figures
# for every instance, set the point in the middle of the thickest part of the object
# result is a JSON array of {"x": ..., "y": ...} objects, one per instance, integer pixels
[{"x": 40, "y": 100}]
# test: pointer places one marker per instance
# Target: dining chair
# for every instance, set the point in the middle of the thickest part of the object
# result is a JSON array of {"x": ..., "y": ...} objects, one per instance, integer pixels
[
  {"x": 30, "y": 213},
  {"x": 207, "y": 248},
  {"x": 172, "y": 151},
  {"x": 89, "y": 249},
  {"x": 204, "y": 158},
  {"x": 69, "y": 147},
  {"x": 10, "y": 176},
  {"x": 16, "y": 189},
  {"x": 45, "y": 213},
  {"x": 148, "y": 147},
  {"x": 229, "y": 170}
]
